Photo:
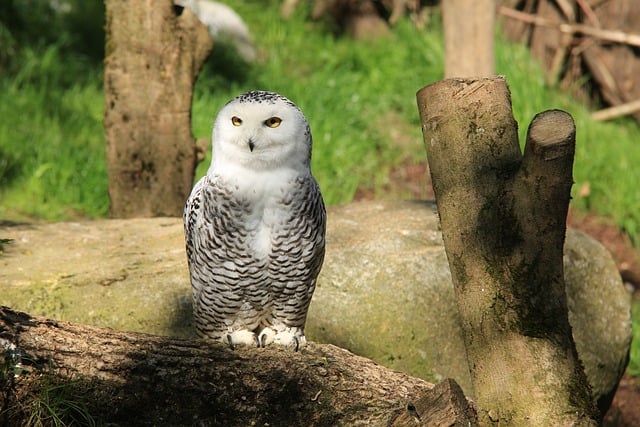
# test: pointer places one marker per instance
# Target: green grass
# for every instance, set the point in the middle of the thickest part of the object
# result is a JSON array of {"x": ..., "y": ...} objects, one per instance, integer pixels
[
  {"x": 358, "y": 97},
  {"x": 58, "y": 405},
  {"x": 351, "y": 93},
  {"x": 51, "y": 139}
]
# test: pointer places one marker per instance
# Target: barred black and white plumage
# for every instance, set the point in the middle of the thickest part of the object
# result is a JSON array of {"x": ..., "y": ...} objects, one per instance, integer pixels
[{"x": 255, "y": 225}]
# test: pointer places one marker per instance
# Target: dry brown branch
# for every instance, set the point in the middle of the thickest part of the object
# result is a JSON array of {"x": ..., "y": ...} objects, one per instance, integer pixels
[
  {"x": 567, "y": 10},
  {"x": 601, "y": 34},
  {"x": 564, "y": 47},
  {"x": 604, "y": 76},
  {"x": 617, "y": 111},
  {"x": 588, "y": 12}
]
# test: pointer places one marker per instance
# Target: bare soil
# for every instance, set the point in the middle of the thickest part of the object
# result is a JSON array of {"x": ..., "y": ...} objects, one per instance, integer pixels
[{"x": 625, "y": 409}]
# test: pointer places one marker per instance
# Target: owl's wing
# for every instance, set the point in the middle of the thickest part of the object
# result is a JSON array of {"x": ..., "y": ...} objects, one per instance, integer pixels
[
  {"x": 192, "y": 215},
  {"x": 194, "y": 220},
  {"x": 315, "y": 210}
]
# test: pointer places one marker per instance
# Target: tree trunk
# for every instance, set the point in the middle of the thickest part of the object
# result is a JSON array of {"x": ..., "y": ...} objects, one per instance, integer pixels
[
  {"x": 154, "y": 53},
  {"x": 503, "y": 224},
  {"x": 468, "y": 38},
  {"x": 125, "y": 378}
]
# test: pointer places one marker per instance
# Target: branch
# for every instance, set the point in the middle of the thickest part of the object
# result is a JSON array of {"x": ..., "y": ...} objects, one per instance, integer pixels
[
  {"x": 617, "y": 111},
  {"x": 132, "y": 379},
  {"x": 607, "y": 35}
]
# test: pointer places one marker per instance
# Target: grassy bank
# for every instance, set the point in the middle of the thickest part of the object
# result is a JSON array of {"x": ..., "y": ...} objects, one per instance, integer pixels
[{"x": 359, "y": 98}]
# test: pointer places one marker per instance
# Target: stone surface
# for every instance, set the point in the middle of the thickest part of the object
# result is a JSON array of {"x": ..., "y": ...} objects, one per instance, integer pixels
[
  {"x": 599, "y": 312},
  {"x": 385, "y": 291}
]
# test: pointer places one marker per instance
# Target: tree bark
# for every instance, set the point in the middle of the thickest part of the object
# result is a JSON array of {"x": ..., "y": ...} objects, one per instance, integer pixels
[
  {"x": 124, "y": 378},
  {"x": 154, "y": 53},
  {"x": 469, "y": 38},
  {"x": 503, "y": 224}
]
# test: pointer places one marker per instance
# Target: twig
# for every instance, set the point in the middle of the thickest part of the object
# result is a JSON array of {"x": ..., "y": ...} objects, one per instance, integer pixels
[
  {"x": 567, "y": 10},
  {"x": 617, "y": 111},
  {"x": 564, "y": 43},
  {"x": 589, "y": 13},
  {"x": 608, "y": 35}
]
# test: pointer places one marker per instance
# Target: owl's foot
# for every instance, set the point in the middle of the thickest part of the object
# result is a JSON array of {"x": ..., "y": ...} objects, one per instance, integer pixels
[
  {"x": 287, "y": 337},
  {"x": 242, "y": 337}
]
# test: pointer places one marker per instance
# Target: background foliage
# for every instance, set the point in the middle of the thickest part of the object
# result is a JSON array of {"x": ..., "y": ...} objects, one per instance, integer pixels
[{"x": 358, "y": 96}]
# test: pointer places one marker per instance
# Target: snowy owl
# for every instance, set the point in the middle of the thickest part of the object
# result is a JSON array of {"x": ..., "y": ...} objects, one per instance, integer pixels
[{"x": 255, "y": 226}]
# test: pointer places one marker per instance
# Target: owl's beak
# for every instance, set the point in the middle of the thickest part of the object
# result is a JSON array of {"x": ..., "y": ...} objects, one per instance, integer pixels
[{"x": 252, "y": 145}]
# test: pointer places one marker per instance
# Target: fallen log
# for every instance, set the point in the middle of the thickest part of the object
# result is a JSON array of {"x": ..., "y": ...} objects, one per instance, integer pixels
[{"x": 126, "y": 378}]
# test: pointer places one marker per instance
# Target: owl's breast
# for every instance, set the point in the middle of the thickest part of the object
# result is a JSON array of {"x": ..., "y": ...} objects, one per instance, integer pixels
[
  {"x": 259, "y": 209},
  {"x": 270, "y": 221},
  {"x": 261, "y": 240}
]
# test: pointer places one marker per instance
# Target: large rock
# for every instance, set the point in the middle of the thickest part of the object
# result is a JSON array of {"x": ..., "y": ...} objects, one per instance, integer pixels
[
  {"x": 385, "y": 291},
  {"x": 124, "y": 274}
]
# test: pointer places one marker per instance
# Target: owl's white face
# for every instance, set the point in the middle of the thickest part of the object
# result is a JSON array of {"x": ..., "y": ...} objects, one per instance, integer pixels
[{"x": 261, "y": 131}]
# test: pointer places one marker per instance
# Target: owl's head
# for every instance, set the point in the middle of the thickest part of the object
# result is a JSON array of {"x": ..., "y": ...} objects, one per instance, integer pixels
[{"x": 261, "y": 130}]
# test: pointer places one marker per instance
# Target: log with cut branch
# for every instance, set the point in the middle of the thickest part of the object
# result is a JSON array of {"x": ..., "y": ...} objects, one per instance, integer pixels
[
  {"x": 125, "y": 378},
  {"x": 503, "y": 217}
]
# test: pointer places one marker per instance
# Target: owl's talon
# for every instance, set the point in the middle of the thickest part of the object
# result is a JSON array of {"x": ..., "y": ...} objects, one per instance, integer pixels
[
  {"x": 230, "y": 341},
  {"x": 266, "y": 336},
  {"x": 290, "y": 338},
  {"x": 242, "y": 337}
]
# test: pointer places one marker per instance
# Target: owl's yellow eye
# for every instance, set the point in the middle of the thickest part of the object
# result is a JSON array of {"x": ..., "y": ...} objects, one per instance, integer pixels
[
  {"x": 237, "y": 121},
  {"x": 273, "y": 122}
]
